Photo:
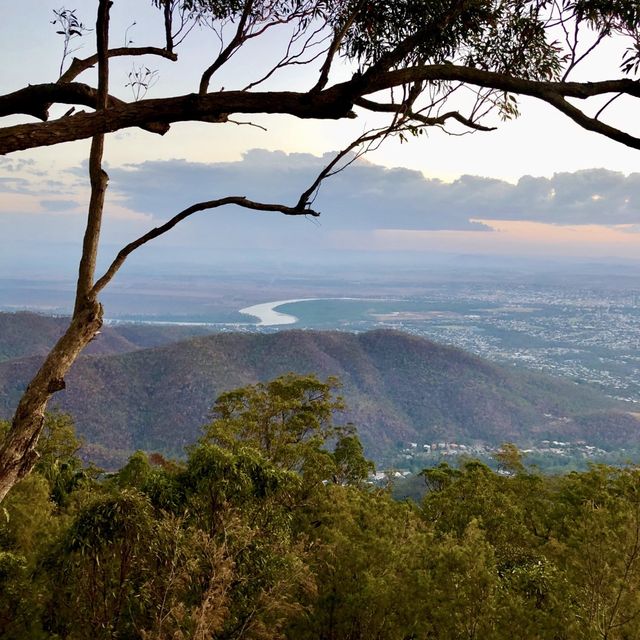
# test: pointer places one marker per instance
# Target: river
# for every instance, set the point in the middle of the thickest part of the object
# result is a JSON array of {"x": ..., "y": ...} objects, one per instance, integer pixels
[{"x": 267, "y": 314}]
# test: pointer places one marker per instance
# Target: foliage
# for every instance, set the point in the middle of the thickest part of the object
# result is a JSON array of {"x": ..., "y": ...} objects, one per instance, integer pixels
[
  {"x": 351, "y": 465},
  {"x": 233, "y": 544},
  {"x": 288, "y": 419},
  {"x": 70, "y": 28}
]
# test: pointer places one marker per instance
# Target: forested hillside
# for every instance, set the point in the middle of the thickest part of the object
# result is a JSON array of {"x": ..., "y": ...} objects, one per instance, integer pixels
[
  {"x": 27, "y": 334},
  {"x": 233, "y": 543},
  {"x": 398, "y": 388}
]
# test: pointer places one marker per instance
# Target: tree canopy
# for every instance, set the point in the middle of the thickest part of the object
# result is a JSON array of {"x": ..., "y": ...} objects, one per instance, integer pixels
[
  {"x": 229, "y": 545},
  {"x": 452, "y": 64}
]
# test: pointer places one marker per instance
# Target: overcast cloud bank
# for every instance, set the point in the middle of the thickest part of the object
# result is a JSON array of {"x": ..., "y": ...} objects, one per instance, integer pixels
[
  {"x": 367, "y": 196},
  {"x": 365, "y": 207}
]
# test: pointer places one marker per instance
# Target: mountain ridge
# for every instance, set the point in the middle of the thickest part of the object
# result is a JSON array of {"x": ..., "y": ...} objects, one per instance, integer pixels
[{"x": 398, "y": 388}]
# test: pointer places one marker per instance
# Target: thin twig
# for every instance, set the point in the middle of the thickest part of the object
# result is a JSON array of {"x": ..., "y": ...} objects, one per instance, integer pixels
[
  {"x": 429, "y": 121},
  {"x": 606, "y": 104}
]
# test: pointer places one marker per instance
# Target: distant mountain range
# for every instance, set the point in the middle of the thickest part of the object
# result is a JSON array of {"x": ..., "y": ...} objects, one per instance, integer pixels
[
  {"x": 32, "y": 334},
  {"x": 151, "y": 387}
]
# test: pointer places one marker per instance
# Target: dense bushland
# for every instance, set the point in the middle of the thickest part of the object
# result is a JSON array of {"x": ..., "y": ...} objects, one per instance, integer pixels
[{"x": 269, "y": 529}]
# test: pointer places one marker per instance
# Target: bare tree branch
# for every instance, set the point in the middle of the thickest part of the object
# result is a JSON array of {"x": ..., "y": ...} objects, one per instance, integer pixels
[
  {"x": 240, "y": 201},
  {"x": 242, "y": 123},
  {"x": 237, "y": 40},
  {"x": 502, "y": 81},
  {"x": 97, "y": 175},
  {"x": 293, "y": 59},
  {"x": 368, "y": 137},
  {"x": 78, "y": 65},
  {"x": 591, "y": 124},
  {"x": 167, "y": 12},
  {"x": 332, "y": 103},
  {"x": 250, "y": 27},
  {"x": 35, "y": 100},
  {"x": 605, "y": 105},
  {"x": 576, "y": 60}
]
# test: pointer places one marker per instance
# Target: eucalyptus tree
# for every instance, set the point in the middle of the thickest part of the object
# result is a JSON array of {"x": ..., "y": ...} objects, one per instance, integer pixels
[{"x": 408, "y": 60}]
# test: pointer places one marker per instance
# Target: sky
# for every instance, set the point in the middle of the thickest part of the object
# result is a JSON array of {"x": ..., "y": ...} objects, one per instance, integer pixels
[{"x": 539, "y": 185}]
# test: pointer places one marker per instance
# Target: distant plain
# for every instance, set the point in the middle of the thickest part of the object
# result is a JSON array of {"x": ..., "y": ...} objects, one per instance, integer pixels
[{"x": 580, "y": 321}]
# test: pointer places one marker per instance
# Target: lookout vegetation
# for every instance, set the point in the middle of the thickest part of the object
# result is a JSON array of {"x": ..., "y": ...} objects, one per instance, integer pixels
[
  {"x": 270, "y": 530},
  {"x": 458, "y": 65}
]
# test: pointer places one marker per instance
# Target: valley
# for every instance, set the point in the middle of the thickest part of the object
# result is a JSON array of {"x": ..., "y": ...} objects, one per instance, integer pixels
[
  {"x": 151, "y": 387},
  {"x": 548, "y": 345}
]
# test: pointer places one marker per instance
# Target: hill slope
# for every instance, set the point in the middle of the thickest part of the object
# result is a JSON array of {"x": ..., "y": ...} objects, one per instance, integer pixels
[
  {"x": 24, "y": 334},
  {"x": 398, "y": 388}
]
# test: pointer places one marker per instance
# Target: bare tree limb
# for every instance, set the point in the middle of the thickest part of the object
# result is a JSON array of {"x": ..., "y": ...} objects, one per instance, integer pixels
[
  {"x": 229, "y": 50},
  {"x": 167, "y": 16},
  {"x": 241, "y": 201},
  {"x": 591, "y": 124},
  {"x": 502, "y": 81},
  {"x": 293, "y": 59},
  {"x": 78, "y": 65},
  {"x": 335, "y": 46},
  {"x": 241, "y": 123},
  {"x": 328, "y": 171},
  {"x": 97, "y": 175},
  {"x": 252, "y": 26},
  {"x": 332, "y": 103},
  {"x": 35, "y": 100},
  {"x": 605, "y": 105},
  {"x": 576, "y": 60}
]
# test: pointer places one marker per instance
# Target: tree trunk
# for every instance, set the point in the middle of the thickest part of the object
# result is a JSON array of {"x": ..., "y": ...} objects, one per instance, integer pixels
[{"x": 18, "y": 455}]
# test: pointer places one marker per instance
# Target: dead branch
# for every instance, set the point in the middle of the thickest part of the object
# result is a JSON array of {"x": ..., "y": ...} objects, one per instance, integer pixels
[
  {"x": 241, "y": 201},
  {"x": 36, "y": 100},
  {"x": 78, "y": 65},
  {"x": 97, "y": 175}
]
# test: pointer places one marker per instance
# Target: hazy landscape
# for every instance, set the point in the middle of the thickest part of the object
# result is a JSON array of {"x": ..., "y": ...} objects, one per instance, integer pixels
[
  {"x": 572, "y": 319},
  {"x": 580, "y": 326}
]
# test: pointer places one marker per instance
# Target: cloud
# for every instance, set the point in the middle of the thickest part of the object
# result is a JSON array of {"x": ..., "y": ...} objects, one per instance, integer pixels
[
  {"x": 27, "y": 176},
  {"x": 365, "y": 207},
  {"x": 593, "y": 196},
  {"x": 61, "y": 206},
  {"x": 14, "y": 184},
  {"x": 13, "y": 164},
  {"x": 362, "y": 198},
  {"x": 367, "y": 197}
]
